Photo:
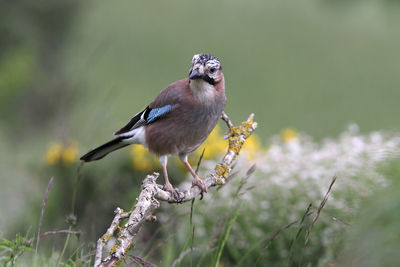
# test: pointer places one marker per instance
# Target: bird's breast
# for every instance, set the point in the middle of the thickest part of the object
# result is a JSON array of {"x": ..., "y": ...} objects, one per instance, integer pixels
[{"x": 202, "y": 91}]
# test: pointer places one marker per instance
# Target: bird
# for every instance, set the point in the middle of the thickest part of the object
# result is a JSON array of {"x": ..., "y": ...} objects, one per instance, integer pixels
[{"x": 177, "y": 121}]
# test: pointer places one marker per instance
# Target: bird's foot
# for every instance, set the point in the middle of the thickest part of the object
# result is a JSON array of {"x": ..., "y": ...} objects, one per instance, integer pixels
[
  {"x": 174, "y": 191},
  {"x": 201, "y": 184}
]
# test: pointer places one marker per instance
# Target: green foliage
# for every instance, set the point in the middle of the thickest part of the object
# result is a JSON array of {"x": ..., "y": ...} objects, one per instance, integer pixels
[
  {"x": 224, "y": 237},
  {"x": 373, "y": 239},
  {"x": 229, "y": 237},
  {"x": 12, "y": 250},
  {"x": 16, "y": 72}
]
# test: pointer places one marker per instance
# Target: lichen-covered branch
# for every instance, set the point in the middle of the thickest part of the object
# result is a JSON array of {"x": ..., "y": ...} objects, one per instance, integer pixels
[
  {"x": 119, "y": 215},
  {"x": 151, "y": 192}
]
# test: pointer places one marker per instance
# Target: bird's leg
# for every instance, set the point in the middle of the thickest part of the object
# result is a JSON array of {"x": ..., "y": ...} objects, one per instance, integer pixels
[
  {"x": 197, "y": 181},
  {"x": 168, "y": 186}
]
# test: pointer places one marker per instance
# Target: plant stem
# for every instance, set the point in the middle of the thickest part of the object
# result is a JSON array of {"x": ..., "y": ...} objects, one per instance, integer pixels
[{"x": 65, "y": 246}]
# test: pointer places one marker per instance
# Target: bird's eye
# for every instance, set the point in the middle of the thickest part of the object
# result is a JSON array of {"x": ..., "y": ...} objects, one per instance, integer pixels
[{"x": 213, "y": 70}]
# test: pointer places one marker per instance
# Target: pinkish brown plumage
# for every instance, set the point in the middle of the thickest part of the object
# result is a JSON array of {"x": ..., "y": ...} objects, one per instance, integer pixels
[
  {"x": 178, "y": 120},
  {"x": 189, "y": 122}
]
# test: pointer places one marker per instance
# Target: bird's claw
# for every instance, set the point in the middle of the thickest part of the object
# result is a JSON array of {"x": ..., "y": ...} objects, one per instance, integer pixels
[
  {"x": 202, "y": 185},
  {"x": 174, "y": 192}
]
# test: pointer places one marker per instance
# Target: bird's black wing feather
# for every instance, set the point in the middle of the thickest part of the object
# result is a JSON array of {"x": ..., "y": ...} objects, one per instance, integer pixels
[
  {"x": 148, "y": 115},
  {"x": 137, "y": 121},
  {"x": 101, "y": 151}
]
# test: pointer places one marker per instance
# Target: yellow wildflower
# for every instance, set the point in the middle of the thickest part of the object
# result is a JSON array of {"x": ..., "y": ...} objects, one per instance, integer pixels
[
  {"x": 143, "y": 160},
  {"x": 53, "y": 154},
  {"x": 58, "y": 152},
  {"x": 215, "y": 145},
  {"x": 70, "y": 153},
  {"x": 251, "y": 146},
  {"x": 288, "y": 135}
]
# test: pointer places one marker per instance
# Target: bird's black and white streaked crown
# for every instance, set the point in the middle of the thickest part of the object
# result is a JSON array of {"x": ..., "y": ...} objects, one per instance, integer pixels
[
  {"x": 205, "y": 67},
  {"x": 206, "y": 59}
]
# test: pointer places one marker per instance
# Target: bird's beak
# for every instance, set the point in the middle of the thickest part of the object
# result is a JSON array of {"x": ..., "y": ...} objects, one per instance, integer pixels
[{"x": 195, "y": 74}]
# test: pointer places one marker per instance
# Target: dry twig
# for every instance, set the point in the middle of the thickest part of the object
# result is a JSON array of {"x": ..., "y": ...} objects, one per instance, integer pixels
[
  {"x": 321, "y": 206},
  {"x": 60, "y": 232}
]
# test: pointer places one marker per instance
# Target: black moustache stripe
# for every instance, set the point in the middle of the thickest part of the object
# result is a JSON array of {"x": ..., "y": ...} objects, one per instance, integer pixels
[{"x": 208, "y": 79}]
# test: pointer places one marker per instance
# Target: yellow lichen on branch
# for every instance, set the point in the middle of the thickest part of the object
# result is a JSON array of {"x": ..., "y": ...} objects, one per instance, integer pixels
[
  {"x": 222, "y": 173},
  {"x": 239, "y": 134}
]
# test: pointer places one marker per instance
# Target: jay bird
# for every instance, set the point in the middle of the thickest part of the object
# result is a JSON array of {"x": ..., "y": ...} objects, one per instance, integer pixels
[{"x": 178, "y": 120}]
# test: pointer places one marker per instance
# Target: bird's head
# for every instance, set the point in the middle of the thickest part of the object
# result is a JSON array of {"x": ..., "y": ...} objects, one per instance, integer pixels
[{"x": 206, "y": 67}]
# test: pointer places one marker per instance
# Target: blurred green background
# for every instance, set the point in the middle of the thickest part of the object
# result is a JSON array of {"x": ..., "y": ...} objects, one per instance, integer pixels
[{"x": 75, "y": 71}]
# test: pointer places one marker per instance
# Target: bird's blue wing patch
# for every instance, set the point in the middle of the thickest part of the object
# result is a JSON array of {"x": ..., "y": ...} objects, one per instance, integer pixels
[{"x": 156, "y": 113}]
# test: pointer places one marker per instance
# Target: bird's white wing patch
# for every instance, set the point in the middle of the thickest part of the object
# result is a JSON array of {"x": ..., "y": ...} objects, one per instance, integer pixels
[{"x": 136, "y": 136}]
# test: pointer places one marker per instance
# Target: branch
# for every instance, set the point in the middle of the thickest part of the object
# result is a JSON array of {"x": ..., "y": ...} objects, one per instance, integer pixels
[
  {"x": 60, "y": 232},
  {"x": 151, "y": 192},
  {"x": 225, "y": 118}
]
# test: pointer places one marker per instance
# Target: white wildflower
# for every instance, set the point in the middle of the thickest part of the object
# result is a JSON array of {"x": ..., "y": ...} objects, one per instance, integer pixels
[{"x": 296, "y": 171}]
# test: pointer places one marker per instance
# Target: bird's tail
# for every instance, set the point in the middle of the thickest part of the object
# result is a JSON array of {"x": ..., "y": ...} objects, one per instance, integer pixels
[{"x": 101, "y": 151}]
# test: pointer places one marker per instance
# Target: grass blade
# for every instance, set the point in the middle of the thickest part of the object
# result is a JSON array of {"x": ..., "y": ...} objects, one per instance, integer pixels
[
  {"x": 224, "y": 239},
  {"x": 46, "y": 195}
]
